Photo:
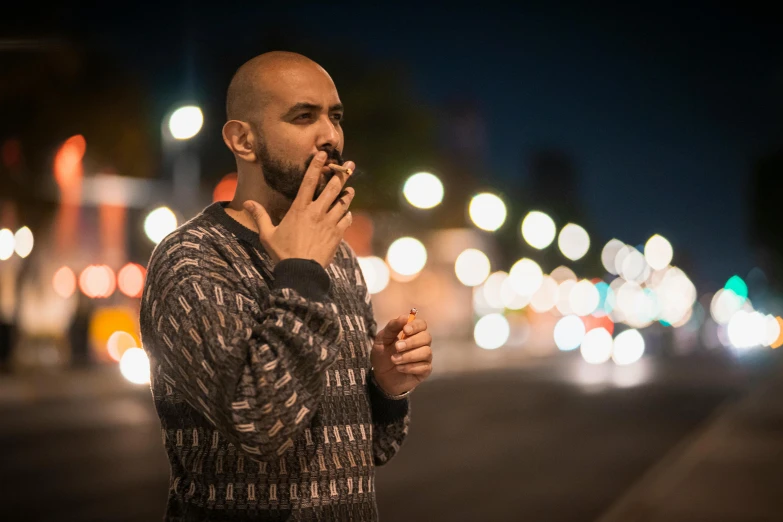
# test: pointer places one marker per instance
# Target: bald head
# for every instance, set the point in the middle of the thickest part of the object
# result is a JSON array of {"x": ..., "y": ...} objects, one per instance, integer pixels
[{"x": 251, "y": 88}]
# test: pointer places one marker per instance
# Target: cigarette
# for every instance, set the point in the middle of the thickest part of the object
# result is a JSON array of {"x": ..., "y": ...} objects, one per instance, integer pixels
[
  {"x": 411, "y": 317},
  {"x": 340, "y": 168}
]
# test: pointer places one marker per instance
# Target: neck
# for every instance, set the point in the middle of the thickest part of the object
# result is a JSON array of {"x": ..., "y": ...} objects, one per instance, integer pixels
[{"x": 252, "y": 186}]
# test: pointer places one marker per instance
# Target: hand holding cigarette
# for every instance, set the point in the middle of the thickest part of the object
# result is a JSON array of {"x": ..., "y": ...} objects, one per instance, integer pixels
[{"x": 401, "y": 356}]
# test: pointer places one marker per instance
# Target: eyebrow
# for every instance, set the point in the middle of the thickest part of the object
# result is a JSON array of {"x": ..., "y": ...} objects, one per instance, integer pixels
[{"x": 304, "y": 106}]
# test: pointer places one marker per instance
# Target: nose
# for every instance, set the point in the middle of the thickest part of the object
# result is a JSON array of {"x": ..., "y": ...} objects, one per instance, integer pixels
[{"x": 328, "y": 135}]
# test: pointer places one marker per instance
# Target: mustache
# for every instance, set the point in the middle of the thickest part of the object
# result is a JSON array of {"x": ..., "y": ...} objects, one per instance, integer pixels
[{"x": 337, "y": 157}]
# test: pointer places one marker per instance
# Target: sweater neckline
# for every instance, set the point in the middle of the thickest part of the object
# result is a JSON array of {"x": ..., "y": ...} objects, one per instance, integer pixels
[{"x": 217, "y": 211}]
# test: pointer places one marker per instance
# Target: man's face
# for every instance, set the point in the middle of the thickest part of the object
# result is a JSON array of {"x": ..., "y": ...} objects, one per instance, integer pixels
[{"x": 302, "y": 117}]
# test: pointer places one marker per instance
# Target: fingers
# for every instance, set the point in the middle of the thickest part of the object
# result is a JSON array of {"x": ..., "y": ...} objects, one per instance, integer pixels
[
  {"x": 393, "y": 328},
  {"x": 331, "y": 191},
  {"x": 311, "y": 179},
  {"x": 261, "y": 217},
  {"x": 419, "y": 339},
  {"x": 415, "y": 326},
  {"x": 421, "y": 354},
  {"x": 421, "y": 368},
  {"x": 340, "y": 206}
]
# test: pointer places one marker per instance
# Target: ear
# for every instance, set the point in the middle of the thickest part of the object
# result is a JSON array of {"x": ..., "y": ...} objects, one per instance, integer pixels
[{"x": 240, "y": 139}]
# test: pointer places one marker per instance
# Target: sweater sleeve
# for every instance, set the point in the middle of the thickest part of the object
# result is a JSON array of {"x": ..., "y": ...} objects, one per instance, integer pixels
[
  {"x": 390, "y": 417},
  {"x": 254, "y": 368}
]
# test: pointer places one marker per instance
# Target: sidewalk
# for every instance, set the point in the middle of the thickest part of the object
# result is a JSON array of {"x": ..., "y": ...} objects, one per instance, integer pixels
[{"x": 729, "y": 471}]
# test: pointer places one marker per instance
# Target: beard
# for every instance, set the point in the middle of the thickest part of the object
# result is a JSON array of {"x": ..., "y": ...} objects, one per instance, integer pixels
[{"x": 286, "y": 177}]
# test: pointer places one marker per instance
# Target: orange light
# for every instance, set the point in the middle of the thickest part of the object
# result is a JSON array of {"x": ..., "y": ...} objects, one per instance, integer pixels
[
  {"x": 779, "y": 342},
  {"x": 118, "y": 342},
  {"x": 64, "y": 282},
  {"x": 131, "y": 279},
  {"x": 592, "y": 322},
  {"x": 97, "y": 281},
  {"x": 359, "y": 234},
  {"x": 225, "y": 189},
  {"x": 68, "y": 161}
]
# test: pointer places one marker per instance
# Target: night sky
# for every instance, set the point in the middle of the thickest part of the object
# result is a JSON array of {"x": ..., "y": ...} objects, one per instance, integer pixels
[{"x": 662, "y": 112}]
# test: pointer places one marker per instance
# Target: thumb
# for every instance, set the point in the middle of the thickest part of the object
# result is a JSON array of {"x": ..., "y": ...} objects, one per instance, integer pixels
[
  {"x": 260, "y": 216},
  {"x": 394, "y": 327}
]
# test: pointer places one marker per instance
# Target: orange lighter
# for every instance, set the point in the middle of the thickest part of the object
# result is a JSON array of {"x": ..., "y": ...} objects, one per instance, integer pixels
[{"x": 411, "y": 317}]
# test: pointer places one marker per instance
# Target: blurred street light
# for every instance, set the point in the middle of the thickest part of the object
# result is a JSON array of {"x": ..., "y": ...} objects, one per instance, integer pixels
[
  {"x": 491, "y": 331},
  {"x": 64, "y": 282},
  {"x": 406, "y": 256},
  {"x": 375, "y": 272},
  {"x": 130, "y": 279},
  {"x": 23, "y": 240},
  {"x": 526, "y": 277},
  {"x": 160, "y": 223},
  {"x": 609, "y": 255},
  {"x": 658, "y": 252},
  {"x": 423, "y": 190},
  {"x": 135, "y": 366},
  {"x": 6, "y": 244},
  {"x": 573, "y": 241},
  {"x": 186, "y": 122},
  {"x": 628, "y": 347},
  {"x": 538, "y": 230},
  {"x": 597, "y": 346},
  {"x": 472, "y": 267},
  {"x": 487, "y": 211},
  {"x": 569, "y": 332}
]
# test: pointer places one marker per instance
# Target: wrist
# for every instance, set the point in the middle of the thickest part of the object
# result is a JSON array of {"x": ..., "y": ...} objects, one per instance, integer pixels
[{"x": 386, "y": 394}]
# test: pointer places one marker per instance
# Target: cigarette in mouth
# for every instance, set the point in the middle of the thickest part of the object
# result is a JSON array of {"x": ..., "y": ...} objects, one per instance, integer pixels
[
  {"x": 340, "y": 168},
  {"x": 411, "y": 317}
]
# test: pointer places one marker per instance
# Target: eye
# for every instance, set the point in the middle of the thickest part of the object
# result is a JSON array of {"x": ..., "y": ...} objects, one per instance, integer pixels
[
  {"x": 304, "y": 116},
  {"x": 338, "y": 117}
]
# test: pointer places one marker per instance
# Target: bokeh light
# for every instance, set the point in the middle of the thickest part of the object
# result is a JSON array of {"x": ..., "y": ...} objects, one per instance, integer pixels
[
  {"x": 632, "y": 264},
  {"x": 23, "y": 242},
  {"x": 130, "y": 279},
  {"x": 725, "y": 303},
  {"x": 526, "y": 276},
  {"x": 491, "y": 331},
  {"x": 512, "y": 299},
  {"x": 538, "y": 230},
  {"x": 487, "y": 211},
  {"x": 64, "y": 282},
  {"x": 738, "y": 286},
  {"x": 597, "y": 346},
  {"x": 773, "y": 330},
  {"x": 6, "y": 244},
  {"x": 186, "y": 122},
  {"x": 406, "y": 256},
  {"x": 493, "y": 289},
  {"x": 68, "y": 161},
  {"x": 747, "y": 329},
  {"x": 135, "y": 366},
  {"x": 628, "y": 347},
  {"x": 658, "y": 252},
  {"x": 97, "y": 281},
  {"x": 423, "y": 190},
  {"x": 546, "y": 296},
  {"x": 779, "y": 341},
  {"x": 226, "y": 188},
  {"x": 569, "y": 333},
  {"x": 573, "y": 241},
  {"x": 472, "y": 267},
  {"x": 119, "y": 342},
  {"x": 584, "y": 298},
  {"x": 563, "y": 273},
  {"x": 375, "y": 272},
  {"x": 160, "y": 223},
  {"x": 609, "y": 255},
  {"x": 564, "y": 296}
]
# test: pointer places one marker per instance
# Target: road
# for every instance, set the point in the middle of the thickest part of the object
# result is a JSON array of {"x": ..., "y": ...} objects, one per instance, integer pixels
[{"x": 558, "y": 441}]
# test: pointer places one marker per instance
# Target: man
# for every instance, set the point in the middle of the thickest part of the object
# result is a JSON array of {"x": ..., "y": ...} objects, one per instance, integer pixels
[{"x": 277, "y": 397}]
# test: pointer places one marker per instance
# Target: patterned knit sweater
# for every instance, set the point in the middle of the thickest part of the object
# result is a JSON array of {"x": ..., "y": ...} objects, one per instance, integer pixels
[{"x": 260, "y": 375}]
